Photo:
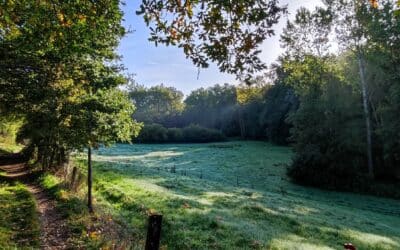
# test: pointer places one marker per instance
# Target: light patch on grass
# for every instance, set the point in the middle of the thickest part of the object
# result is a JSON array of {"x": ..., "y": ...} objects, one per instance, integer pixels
[
  {"x": 236, "y": 195},
  {"x": 19, "y": 224},
  {"x": 9, "y": 147},
  {"x": 372, "y": 239},
  {"x": 294, "y": 242}
]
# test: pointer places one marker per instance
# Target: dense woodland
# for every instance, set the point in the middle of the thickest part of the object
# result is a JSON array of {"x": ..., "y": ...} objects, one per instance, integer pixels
[{"x": 257, "y": 111}]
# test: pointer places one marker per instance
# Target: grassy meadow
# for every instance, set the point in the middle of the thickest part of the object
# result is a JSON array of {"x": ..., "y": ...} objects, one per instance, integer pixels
[{"x": 235, "y": 195}]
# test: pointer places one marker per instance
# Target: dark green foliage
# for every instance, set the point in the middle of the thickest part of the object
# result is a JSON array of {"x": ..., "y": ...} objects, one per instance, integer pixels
[
  {"x": 58, "y": 72},
  {"x": 329, "y": 151},
  {"x": 156, "y": 133},
  {"x": 251, "y": 112},
  {"x": 155, "y": 104},
  {"x": 152, "y": 133},
  {"x": 196, "y": 133},
  {"x": 213, "y": 107},
  {"x": 329, "y": 129},
  {"x": 175, "y": 134},
  {"x": 280, "y": 101}
]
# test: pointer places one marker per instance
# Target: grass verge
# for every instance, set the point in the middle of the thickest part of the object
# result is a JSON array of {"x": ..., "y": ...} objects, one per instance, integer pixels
[
  {"x": 87, "y": 231},
  {"x": 19, "y": 224}
]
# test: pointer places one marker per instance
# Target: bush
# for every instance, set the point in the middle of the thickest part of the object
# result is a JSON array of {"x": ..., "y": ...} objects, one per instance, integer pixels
[
  {"x": 196, "y": 133},
  {"x": 152, "y": 133},
  {"x": 316, "y": 170},
  {"x": 156, "y": 133},
  {"x": 175, "y": 135}
]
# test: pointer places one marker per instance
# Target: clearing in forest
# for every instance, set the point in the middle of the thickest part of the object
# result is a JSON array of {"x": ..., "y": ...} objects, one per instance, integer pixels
[{"x": 235, "y": 195}]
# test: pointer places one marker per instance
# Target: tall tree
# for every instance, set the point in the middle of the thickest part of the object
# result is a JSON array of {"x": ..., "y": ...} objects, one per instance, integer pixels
[
  {"x": 55, "y": 55},
  {"x": 351, "y": 32},
  {"x": 156, "y": 103}
]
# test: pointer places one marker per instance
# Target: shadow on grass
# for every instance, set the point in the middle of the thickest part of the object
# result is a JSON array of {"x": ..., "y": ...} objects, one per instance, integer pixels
[
  {"x": 212, "y": 214},
  {"x": 239, "y": 217},
  {"x": 19, "y": 224}
]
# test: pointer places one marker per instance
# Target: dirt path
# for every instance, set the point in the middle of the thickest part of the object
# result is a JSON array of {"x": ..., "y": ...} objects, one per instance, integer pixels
[{"x": 53, "y": 233}]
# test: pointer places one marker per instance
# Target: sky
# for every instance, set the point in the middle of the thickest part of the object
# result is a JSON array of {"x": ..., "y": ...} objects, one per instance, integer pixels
[{"x": 168, "y": 65}]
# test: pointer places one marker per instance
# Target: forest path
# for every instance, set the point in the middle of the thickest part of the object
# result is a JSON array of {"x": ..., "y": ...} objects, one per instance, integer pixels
[{"x": 53, "y": 228}]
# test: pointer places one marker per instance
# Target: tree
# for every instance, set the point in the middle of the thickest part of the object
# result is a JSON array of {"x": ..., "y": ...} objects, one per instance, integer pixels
[
  {"x": 102, "y": 118},
  {"x": 308, "y": 33},
  {"x": 212, "y": 107},
  {"x": 351, "y": 32},
  {"x": 57, "y": 59},
  {"x": 280, "y": 101},
  {"x": 383, "y": 28},
  {"x": 225, "y": 32},
  {"x": 157, "y": 103}
]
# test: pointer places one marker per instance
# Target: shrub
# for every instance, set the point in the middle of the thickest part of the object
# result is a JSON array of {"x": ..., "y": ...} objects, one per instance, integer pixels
[
  {"x": 152, "y": 133},
  {"x": 315, "y": 169},
  {"x": 156, "y": 133},
  {"x": 175, "y": 135},
  {"x": 196, "y": 133}
]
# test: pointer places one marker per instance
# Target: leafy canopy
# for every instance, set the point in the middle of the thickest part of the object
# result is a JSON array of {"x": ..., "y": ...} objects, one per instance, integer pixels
[{"x": 226, "y": 32}]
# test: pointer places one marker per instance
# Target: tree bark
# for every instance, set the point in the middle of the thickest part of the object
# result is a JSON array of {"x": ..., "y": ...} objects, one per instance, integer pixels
[
  {"x": 89, "y": 180},
  {"x": 364, "y": 90}
]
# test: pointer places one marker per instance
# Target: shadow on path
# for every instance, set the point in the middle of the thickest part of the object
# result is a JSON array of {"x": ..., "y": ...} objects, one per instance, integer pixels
[{"x": 53, "y": 233}]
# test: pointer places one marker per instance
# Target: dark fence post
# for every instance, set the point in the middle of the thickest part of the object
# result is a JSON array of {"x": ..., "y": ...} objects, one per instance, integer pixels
[{"x": 154, "y": 232}]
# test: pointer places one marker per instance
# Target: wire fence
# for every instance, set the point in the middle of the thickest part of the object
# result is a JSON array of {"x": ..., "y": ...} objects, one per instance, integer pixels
[{"x": 248, "y": 181}]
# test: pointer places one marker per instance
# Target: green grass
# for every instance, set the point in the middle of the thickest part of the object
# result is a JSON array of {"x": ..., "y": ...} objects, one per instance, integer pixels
[
  {"x": 8, "y": 147},
  {"x": 86, "y": 231},
  {"x": 19, "y": 224},
  {"x": 243, "y": 200}
]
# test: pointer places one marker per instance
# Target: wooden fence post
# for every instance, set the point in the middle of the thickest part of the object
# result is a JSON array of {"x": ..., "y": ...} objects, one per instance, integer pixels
[{"x": 154, "y": 232}]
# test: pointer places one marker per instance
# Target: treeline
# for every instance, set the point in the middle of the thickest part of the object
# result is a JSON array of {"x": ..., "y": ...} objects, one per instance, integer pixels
[
  {"x": 346, "y": 130},
  {"x": 156, "y": 133},
  {"x": 339, "y": 111},
  {"x": 257, "y": 111}
]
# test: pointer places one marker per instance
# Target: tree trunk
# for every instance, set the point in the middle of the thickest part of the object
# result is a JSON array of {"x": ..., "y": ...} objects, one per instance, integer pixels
[
  {"x": 241, "y": 124},
  {"x": 364, "y": 90},
  {"x": 89, "y": 180}
]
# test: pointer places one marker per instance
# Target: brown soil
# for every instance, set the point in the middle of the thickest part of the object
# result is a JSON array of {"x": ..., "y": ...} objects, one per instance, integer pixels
[{"x": 54, "y": 233}]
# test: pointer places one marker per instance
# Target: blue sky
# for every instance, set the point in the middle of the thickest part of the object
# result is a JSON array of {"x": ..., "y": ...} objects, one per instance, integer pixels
[{"x": 168, "y": 65}]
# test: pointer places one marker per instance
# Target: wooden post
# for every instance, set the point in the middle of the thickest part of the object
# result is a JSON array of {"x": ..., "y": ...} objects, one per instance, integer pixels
[
  {"x": 153, "y": 232},
  {"x": 73, "y": 177},
  {"x": 90, "y": 199}
]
